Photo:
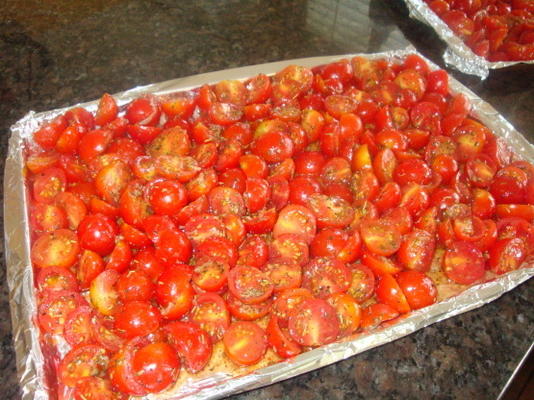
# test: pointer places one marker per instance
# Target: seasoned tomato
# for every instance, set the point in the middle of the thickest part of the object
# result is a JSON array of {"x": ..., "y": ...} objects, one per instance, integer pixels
[
  {"x": 418, "y": 288},
  {"x": 298, "y": 220},
  {"x": 211, "y": 314},
  {"x": 249, "y": 284},
  {"x": 326, "y": 276},
  {"x": 82, "y": 362},
  {"x": 381, "y": 237},
  {"x": 59, "y": 248},
  {"x": 191, "y": 342},
  {"x": 174, "y": 291},
  {"x": 314, "y": 323},
  {"x": 463, "y": 263},
  {"x": 245, "y": 342}
]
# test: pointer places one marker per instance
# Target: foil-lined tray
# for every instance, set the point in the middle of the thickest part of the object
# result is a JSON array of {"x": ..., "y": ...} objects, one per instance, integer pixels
[
  {"x": 33, "y": 370},
  {"x": 457, "y": 54}
]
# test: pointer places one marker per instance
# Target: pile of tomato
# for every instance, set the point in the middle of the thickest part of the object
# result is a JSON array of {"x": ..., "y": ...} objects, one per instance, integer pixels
[
  {"x": 498, "y": 30},
  {"x": 282, "y": 212}
]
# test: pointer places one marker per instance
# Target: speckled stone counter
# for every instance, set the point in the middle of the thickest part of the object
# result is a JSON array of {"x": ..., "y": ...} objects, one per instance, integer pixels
[{"x": 57, "y": 53}]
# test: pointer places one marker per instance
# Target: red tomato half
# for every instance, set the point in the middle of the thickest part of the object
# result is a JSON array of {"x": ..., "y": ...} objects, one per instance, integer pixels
[
  {"x": 314, "y": 323},
  {"x": 245, "y": 342},
  {"x": 463, "y": 263}
]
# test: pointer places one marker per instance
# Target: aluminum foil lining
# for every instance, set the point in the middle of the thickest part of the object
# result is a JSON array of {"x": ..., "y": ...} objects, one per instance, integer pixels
[
  {"x": 31, "y": 365},
  {"x": 457, "y": 54}
]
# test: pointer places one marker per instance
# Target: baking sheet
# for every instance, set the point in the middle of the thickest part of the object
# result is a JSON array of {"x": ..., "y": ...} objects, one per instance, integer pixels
[
  {"x": 30, "y": 364},
  {"x": 457, "y": 54}
]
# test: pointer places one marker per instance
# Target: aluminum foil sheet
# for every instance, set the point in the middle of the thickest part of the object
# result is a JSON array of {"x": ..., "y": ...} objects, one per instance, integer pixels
[
  {"x": 33, "y": 369},
  {"x": 457, "y": 54}
]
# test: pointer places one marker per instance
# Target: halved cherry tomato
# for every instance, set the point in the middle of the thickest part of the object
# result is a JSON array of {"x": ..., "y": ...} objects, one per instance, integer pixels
[
  {"x": 78, "y": 328},
  {"x": 55, "y": 307},
  {"x": 211, "y": 314},
  {"x": 191, "y": 342},
  {"x": 137, "y": 318},
  {"x": 103, "y": 294},
  {"x": 507, "y": 255},
  {"x": 210, "y": 274},
  {"x": 389, "y": 292},
  {"x": 348, "y": 312},
  {"x": 174, "y": 291},
  {"x": 59, "y": 248},
  {"x": 156, "y": 366},
  {"x": 247, "y": 312},
  {"x": 377, "y": 313},
  {"x": 253, "y": 252},
  {"x": 296, "y": 219},
  {"x": 325, "y": 276},
  {"x": 281, "y": 342},
  {"x": 245, "y": 342},
  {"x": 417, "y": 250},
  {"x": 249, "y": 284},
  {"x": 381, "y": 237},
  {"x": 48, "y": 184},
  {"x": 54, "y": 279},
  {"x": 463, "y": 263},
  {"x": 81, "y": 362},
  {"x": 314, "y": 323},
  {"x": 418, "y": 288}
]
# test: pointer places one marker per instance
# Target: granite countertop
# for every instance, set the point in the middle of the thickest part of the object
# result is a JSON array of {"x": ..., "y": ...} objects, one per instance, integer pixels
[{"x": 57, "y": 53}]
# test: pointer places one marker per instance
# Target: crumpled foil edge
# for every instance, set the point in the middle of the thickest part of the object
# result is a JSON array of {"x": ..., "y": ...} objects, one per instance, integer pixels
[
  {"x": 457, "y": 54},
  {"x": 30, "y": 363}
]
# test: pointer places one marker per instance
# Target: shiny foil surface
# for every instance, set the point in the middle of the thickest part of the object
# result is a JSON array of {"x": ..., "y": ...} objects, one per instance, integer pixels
[
  {"x": 457, "y": 54},
  {"x": 34, "y": 370}
]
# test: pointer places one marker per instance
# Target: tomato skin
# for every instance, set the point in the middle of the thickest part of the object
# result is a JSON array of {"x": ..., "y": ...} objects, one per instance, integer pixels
[
  {"x": 389, "y": 292},
  {"x": 46, "y": 136},
  {"x": 135, "y": 285},
  {"x": 156, "y": 366},
  {"x": 167, "y": 197},
  {"x": 192, "y": 344},
  {"x": 137, "y": 318},
  {"x": 273, "y": 147},
  {"x": 314, "y": 323},
  {"x": 144, "y": 111},
  {"x": 507, "y": 255},
  {"x": 525, "y": 211},
  {"x": 121, "y": 369},
  {"x": 301, "y": 188},
  {"x": 174, "y": 291},
  {"x": 257, "y": 194},
  {"x": 463, "y": 263},
  {"x": 107, "y": 110},
  {"x": 252, "y": 336},
  {"x": 173, "y": 247},
  {"x": 97, "y": 232},
  {"x": 418, "y": 288}
]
